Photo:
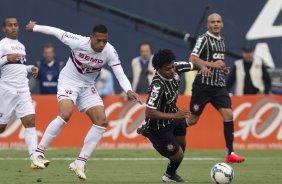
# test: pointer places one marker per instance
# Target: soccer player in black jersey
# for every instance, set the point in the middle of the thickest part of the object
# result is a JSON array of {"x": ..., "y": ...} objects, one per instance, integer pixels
[
  {"x": 165, "y": 123},
  {"x": 209, "y": 50}
]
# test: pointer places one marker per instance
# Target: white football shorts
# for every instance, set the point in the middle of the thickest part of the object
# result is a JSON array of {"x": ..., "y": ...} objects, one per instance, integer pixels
[
  {"x": 83, "y": 97},
  {"x": 19, "y": 103}
]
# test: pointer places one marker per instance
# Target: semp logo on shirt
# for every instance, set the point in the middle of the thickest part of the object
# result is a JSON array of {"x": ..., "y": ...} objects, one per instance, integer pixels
[
  {"x": 154, "y": 95},
  {"x": 91, "y": 59}
]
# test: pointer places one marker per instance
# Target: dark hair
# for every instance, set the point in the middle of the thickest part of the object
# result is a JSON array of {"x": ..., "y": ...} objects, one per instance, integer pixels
[
  {"x": 5, "y": 20},
  {"x": 145, "y": 43},
  {"x": 248, "y": 48},
  {"x": 100, "y": 29},
  {"x": 163, "y": 57},
  {"x": 48, "y": 45}
]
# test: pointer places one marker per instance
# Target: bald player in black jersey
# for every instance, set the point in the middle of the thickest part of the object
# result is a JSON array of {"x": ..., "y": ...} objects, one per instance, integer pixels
[
  {"x": 210, "y": 50},
  {"x": 165, "y": 123}
]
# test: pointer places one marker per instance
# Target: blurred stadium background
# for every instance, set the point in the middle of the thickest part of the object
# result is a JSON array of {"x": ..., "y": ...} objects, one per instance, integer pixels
[{"x": 164, "y": 24}]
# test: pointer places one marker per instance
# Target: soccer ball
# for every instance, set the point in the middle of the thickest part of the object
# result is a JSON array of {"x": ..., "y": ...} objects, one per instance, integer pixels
[{"x": 222, "y": 173}]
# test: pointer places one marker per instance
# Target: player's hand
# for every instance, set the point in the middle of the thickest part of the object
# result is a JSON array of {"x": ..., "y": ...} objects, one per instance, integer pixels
[
  {"x": 226, "y": 70},
  {"x": 182, "y": 113},
  {"x": 29, "y": 27},
  {"x": 134, "y": 96},
  {"x": 34, "y": 71},
  {"x": 218, "y": 64},
  {"x": 205, "y": 72},
  {"x": 13, "y": 57},
  {"x": 124, "y": 96}
]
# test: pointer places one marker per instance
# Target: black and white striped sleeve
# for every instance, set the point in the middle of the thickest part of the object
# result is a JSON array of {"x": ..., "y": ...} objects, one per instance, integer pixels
[
  {"x": 183, "y": 66},
  {"x": 155, "y": 95},
  {"x": 199, "y": 46}
]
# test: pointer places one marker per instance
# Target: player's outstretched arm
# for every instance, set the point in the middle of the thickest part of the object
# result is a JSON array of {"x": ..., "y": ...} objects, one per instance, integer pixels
[
  {"x": 33, "y": 27},
  {"x": 125, "y": 84}
]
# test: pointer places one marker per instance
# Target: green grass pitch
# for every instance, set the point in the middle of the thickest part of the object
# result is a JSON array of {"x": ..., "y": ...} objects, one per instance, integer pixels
[{"x": 138, "y": 166}]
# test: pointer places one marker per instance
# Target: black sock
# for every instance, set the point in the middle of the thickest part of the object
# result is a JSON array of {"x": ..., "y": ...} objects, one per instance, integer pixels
[
  {"x": 228, "y": 135},
  {"x": 172, "y": 167}
]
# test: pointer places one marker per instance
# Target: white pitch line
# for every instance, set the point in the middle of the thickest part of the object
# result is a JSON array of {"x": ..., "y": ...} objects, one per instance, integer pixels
[{"x": 113, "y": 159}]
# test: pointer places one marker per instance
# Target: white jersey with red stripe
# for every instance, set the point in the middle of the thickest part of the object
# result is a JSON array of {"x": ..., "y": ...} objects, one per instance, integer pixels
[
  {"x": 84, "y": 64},
  {"x": 13, "y": 74}
]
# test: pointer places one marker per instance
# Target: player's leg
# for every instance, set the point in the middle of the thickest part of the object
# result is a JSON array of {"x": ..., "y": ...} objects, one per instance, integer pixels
[
  {"x": 25, "y": 111},
  {"x": 90, "y": 102},
  {"x": 231, "y": 157},
  {"x": 228, "y": 124},
  {"x": 166, "y": 144},
  {"x": 222, "y": 102},
  {"x": 180, "y": 135},
  {"x": 199, "y": 99},
  {"x": 65, "y": 111},
  {"x": 7, "y": 106},
  {"x": 66, "y": 98},
  {"x": 30, "y": 135},
  {"x": 93, "y": 137},
  {"x": 52, "y": 130}
]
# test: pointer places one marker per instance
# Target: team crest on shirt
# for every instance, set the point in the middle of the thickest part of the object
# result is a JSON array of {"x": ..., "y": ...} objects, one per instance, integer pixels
[
  {"x": 196, "y": 107},
  {"x": 68, "y": 91},
  {"x": 170, "y": 147},
  {"x": 49, "y": 77}
]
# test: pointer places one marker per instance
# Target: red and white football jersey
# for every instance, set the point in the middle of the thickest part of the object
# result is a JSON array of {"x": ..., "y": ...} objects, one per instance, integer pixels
[
  {"x": 13, "y": 74},
  {"x": 84, "y": 64}
]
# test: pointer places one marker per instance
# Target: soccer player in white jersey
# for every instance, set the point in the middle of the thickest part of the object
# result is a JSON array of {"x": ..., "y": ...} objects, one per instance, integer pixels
[
  {"x": 14, "y": 91},
  {"x": 76, "y": 86}
]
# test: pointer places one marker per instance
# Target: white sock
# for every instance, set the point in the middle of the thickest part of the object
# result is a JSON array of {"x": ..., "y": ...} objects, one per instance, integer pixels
[
  {"x": 51, "y": 132},
  {"x": 92, "y": 138},
  {"x": 30, "y": 139}
]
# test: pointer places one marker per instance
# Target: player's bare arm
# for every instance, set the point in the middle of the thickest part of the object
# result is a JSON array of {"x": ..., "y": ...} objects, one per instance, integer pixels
[
  {"x": 203, "y": 68},
  {"x": 155, "y": 114},
  {"x": 216, "y": 64}
]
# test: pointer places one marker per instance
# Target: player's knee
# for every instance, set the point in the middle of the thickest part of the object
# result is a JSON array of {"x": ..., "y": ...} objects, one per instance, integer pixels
[
  {"x": 28, "y": 121},
  {"x": 66, "y": 115},
  {"x": 102, "y": 122},
  {"x": 228, "y": 115}
]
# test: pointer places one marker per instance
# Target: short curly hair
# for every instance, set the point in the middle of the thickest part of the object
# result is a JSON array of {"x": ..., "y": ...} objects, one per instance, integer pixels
[{"x": 163, "y": 57}]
